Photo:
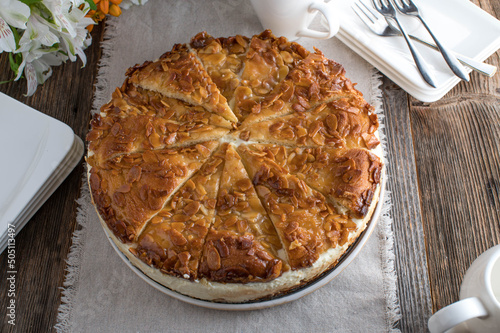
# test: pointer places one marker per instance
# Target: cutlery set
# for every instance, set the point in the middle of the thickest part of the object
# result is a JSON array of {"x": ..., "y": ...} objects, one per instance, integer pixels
[
  {"x": 381, "y": 27},
  {"x": 381, "y": 22}
]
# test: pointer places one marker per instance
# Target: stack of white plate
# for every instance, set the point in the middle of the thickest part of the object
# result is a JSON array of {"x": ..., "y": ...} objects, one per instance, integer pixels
[
  {"x": 37, "y": 153},
  {"x": 459, "y": 24}
]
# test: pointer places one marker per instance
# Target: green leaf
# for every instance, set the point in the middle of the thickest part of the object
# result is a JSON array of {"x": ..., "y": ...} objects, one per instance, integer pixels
[
  {"x": 44, "y": 12},
  {"x": 30, "y": 2},
  {"x": 15, "y": 61},
  {"x": 91, "y": 4},
  {"x": 12, "y": 63},
  {"x": 4, "y": 82},
  {"x": 17, "y": 37}
]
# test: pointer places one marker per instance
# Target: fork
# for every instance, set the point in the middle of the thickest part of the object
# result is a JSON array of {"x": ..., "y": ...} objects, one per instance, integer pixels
[
  {"x": 381, "y": 27},
  {"x": 408, "y": 7},
  {"x": 385, "y": 8}
]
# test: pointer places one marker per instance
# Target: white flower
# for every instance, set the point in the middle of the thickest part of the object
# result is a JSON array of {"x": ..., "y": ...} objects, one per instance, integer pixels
[
  {"x": 38, "y": 70},
  {"x": 36, "y": 63},
  {"x": 36, "y": 30},
  {"x": 54, "y": 33},
  {"x": 36, "y": 73},
  {"x": 127, "y": 3},
  {"x": 56, "y": 14},
  {"x": 50, "y": 32},
  {"x": 75, "y": 38},
  {"x": 13, "y": 13},
  {"x": 77, "y": 3},
  {"x": 7, "y": 40}
]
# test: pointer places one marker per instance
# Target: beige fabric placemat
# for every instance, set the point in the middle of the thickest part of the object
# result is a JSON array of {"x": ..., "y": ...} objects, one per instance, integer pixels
[{"x": 101, "y": 294}]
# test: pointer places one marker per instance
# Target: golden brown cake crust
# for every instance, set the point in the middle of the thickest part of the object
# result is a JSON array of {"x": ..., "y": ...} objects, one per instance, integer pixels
[
  {"x": 313, "y": 81},
  {"x": 235, "y": 168},
  {"x": 129, "y": 189},
  {"x": 348, "y": 176},
  {"x": 173, "y": 241},
  {"x": 341, "y": 123},
  {"x": 179, "y": 74},
  {"x": 242, "y": 245},
  {"x": 231, "y": 258}
]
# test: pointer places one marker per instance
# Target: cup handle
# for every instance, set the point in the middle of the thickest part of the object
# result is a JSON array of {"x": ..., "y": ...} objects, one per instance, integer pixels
[
  {"x": 456, "y": 313},
  {"x": 331, "y": 18}
]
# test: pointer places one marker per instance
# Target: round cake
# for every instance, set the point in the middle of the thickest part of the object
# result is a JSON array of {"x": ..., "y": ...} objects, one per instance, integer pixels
[{"x": 235, "y": 169}]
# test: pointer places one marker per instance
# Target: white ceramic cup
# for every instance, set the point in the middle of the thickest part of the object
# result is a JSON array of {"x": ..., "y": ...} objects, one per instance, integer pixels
[
  {"x": 291, "y": 18},
  {"x": 479, "y": 307}
]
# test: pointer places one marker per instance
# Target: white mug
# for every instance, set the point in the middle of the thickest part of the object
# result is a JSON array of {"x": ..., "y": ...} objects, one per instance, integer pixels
[
  {"x": 291, "y": 18},
  {"x": 479, "y": 307}
]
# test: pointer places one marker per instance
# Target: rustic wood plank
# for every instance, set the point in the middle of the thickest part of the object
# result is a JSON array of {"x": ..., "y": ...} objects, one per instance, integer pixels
[
  {"x": 457, "y": 151},
  {"x": 461, "y": 200},
  {"x": 411, "y": 263},
  {"x": 457, "y": 148},
  {"x": 43, "y": 244}
]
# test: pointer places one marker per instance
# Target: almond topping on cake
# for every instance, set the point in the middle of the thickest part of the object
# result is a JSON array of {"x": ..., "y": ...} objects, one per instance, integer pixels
[{"x": 235, "y": 169}]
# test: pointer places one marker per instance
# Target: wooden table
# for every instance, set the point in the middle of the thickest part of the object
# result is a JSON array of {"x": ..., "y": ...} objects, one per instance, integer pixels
[{"x": 444, "y": 162}]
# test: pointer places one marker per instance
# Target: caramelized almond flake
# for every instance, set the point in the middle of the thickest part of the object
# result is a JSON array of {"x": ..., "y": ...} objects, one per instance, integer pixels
[{"x": 213, "y": 259}]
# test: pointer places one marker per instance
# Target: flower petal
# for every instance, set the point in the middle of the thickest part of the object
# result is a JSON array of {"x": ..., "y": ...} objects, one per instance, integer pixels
[
  {"x": 36, "y": 30},
  {"x": 7, "y": 41},
  {"x": 54, "y": 58},
  {"x": 30, "y": 74},
  {"x": 20, "y": 69},
  {"x": 127, "y": 3},
  {"x": 42, "y": 69},
  {"x": 15, "y": 13},
  {"x": 81, "y": 54}
]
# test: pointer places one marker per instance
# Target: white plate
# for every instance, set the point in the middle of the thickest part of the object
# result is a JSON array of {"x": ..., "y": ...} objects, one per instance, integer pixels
[
  {"x": 317, "y": 283},
  {"x": 52, "y": 183},
  {"x": 39, "y": 153},
  {"x": 459, "y": 24}
]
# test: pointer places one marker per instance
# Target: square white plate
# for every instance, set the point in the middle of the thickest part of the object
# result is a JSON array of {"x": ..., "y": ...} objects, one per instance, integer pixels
[
  {"x": 37, "y": 152},
  {"x": 459, "y": 24},
  {"x": 52, "y": 183}
]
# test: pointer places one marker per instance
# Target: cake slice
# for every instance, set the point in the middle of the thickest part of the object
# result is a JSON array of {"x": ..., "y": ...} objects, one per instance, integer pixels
[
  {"x": 173, "y": 239},
  {"x": 307, "y": 224},
  {"x": 128, "y": 190},
  {"x": 267, "y": 63},
  {"x": 340, "y": 123},
  {"x": 179, "y": 74},
  {"x": 312, "y": 82},
  {"x": 247, "y": 70},
  {"x": 222, "y": 58},
  {"x": 242, "y": 244},
  {"x": 130, "y": 100},
  {"x": 349, "y": 177},
  {"x": 136, "y": 120}
]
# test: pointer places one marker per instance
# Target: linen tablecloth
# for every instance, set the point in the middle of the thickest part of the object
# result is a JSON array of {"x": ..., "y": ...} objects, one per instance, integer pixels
[{"x": 101, "y": 294}]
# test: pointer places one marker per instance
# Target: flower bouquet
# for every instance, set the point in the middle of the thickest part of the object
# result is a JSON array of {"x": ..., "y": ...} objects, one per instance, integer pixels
[{"x": 39, "y": 34}]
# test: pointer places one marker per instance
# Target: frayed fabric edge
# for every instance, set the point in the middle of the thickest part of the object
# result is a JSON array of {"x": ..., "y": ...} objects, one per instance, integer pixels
[
  {"x": 385, "y": 233},
  {"x": 73, "y": 263}
]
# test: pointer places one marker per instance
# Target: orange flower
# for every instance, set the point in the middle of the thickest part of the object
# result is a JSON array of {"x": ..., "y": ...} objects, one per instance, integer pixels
[
  {"x": 104, "y": 7},
  {"x": 114, "y": 10}
]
